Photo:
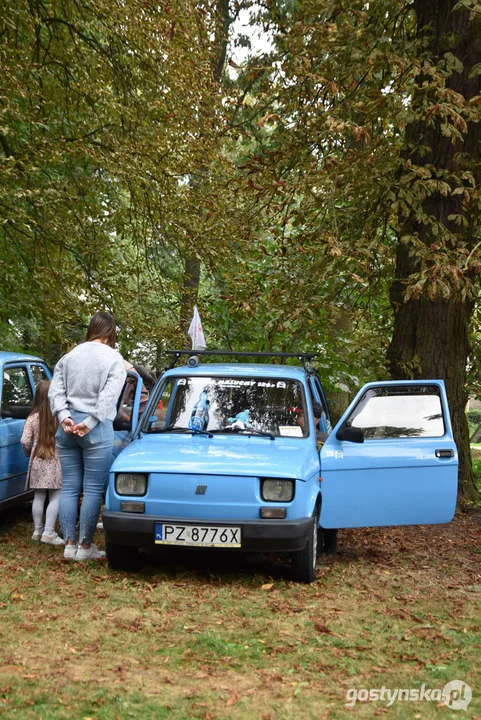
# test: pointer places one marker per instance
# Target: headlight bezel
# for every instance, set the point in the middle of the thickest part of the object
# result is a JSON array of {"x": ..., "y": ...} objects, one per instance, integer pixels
[
  {"x": 131, "y": 491},
  {"x": 280, "y": 496}
]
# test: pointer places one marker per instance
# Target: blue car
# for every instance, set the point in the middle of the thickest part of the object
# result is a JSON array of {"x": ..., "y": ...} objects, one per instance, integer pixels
[
  {"x": 226, "y": 456},
  {"x": 20, "y": 374}
]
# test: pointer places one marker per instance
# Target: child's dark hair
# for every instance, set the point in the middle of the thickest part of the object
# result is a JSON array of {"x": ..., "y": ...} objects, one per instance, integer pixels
[
  {"x": 47, "y": 423},
  {"x": 102, "y": 327}
]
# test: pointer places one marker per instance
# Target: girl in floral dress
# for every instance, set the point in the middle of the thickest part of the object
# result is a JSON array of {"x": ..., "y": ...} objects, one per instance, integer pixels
[{"x": 44, "y": 473}]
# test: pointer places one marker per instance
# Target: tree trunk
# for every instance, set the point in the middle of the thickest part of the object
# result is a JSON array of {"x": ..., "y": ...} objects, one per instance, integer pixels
[
  {"x": 430, "y": 337},
  {"x": 192, "y": 267}
]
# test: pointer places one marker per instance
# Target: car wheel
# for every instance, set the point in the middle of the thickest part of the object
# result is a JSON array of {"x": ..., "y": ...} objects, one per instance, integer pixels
[
  {"x": 303, "y": 561},
  {"x": 122, "y": 557}
]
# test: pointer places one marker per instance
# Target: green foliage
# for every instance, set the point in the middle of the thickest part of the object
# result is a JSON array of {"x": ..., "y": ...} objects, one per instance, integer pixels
[
  {"x": 474, "y": 417},
  {"x": 107, "y": 108}
]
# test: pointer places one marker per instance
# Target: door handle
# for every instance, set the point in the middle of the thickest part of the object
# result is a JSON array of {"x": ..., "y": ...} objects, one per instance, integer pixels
[{"x": 444, "y": 453}]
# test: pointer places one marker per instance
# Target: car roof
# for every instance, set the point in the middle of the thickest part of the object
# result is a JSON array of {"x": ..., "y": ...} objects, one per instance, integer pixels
[
  {"x": 16, "y": 357},
  {"x": 295, "y": 372}
]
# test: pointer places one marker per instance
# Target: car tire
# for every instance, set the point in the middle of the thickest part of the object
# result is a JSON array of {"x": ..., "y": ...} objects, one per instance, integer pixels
[
  {"x": 303, "y": 562},
  {"x": 122, "y": 557}
]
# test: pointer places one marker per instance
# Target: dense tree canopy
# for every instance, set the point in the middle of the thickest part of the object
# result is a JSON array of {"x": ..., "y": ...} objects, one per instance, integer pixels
[{"x": 108, "y": 109}]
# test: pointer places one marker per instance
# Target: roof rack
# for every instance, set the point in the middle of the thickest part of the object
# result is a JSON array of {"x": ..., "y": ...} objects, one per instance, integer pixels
[{"x": 302, "y": 357}]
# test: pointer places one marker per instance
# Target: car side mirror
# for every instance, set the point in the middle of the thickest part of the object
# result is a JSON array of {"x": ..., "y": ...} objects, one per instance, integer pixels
[
  {"x": 16, "y": 412},
  {"x": 350, "y": 434},
  {"x": 121, "y": 423}
]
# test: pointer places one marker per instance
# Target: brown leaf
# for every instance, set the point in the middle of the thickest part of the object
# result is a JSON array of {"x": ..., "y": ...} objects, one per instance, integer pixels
[
  {"x": 233, "y": 698},
  {"x": 322, "y": 628},
  {"x": 12, "y": 669},
  {"x": 267, "y": 586}
]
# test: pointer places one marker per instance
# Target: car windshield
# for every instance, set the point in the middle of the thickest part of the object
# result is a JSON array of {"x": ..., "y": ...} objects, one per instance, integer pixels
[{"x": 255, "y": 405}]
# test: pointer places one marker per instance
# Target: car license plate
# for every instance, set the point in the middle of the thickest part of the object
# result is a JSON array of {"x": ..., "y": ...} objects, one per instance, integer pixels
[{"x": 197, "y": 535}]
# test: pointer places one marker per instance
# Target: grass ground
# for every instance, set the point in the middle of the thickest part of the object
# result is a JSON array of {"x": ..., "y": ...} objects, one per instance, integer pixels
[{"x": 198, "y": 636}]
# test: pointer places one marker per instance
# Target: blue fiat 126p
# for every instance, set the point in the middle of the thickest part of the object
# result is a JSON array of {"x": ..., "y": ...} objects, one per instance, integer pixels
[
  {"x": 228, "y": 456},
  {"x": 20, "y": 374}
]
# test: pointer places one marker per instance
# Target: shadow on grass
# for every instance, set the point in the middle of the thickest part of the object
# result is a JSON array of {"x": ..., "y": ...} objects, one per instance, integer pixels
[
  {"x": 232, "y": 567},
  {"x": 11, "y": 517},
  {"x": 214, "y": 566}
]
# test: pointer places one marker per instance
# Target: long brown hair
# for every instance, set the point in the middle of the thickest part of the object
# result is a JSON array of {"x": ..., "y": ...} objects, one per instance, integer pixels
[
  {"x": 47, "y": 423},
  {"x": 102, "y": 327}
]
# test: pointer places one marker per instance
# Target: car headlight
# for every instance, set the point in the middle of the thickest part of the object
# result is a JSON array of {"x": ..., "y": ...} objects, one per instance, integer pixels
[
  {"x": 274, "y": 490},
  {"x": 131, "y": 484}
]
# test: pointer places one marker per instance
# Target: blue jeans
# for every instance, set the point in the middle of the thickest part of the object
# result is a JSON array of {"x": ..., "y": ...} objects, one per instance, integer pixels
[{"x": 85, "y": 465}]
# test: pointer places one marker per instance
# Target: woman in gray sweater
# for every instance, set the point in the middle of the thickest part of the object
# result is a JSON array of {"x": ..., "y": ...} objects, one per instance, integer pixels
[{"x": 83, "y": 395}]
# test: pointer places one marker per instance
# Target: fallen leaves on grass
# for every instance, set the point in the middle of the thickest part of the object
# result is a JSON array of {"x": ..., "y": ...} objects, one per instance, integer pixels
[{"x": 323, "y": 629}]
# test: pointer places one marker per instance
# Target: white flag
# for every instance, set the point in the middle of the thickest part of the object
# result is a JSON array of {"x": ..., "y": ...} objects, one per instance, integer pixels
[{"x": 196, "y": 333}]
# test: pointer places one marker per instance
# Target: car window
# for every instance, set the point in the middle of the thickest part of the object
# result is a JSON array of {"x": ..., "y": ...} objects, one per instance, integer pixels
[
  {"x": 163, "y": 405},
  {"x": 38, "y": 373},
  {"x": 125, "y": 403},
  {"x": 230, "y": 404},
  {"x": 399, "y": 412},
  {"x": 318, "y": 396},
  {"x": 16, "y": 390}
]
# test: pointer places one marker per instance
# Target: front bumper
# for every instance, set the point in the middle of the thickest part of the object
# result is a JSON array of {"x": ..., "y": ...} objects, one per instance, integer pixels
[{"x": 137, "y": 530}]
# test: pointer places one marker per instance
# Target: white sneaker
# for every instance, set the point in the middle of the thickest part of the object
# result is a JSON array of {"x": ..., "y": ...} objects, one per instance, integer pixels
[
  {"x": 70, "y": 552},
  {"x": 37, "y": 534},
  {"x": 100, "y": 526},
  {"x": 91, "y": 553},
  {"x": 52, "y": 539}
]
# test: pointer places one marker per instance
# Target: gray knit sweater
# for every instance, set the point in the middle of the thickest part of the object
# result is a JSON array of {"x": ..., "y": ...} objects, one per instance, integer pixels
[{"x": 88, "y": 379}]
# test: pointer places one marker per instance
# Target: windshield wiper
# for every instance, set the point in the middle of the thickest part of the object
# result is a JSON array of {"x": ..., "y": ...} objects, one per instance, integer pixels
[
  {"x": 175, "y": 429},
  {"x": 248, "y": 431}
]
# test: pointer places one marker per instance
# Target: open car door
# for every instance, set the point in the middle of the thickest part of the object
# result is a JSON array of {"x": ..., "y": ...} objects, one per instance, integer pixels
[
  {"x": 128, "y": 411},
  {"x": 391, "y": 459}
]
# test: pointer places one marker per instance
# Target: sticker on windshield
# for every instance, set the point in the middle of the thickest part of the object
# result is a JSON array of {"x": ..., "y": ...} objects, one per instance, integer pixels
[
  {"x": 290, "y": 431},
  {"x": 238, "y": 383}
]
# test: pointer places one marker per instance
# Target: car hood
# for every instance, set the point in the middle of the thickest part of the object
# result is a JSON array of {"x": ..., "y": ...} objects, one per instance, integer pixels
[{"x": 220, "y": 455}]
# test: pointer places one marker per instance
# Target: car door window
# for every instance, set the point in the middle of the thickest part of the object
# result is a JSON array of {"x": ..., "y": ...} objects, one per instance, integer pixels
[
  {"x": 399, "y": 412},
  {"x": 38, "y": 373},
  {"x": 318, "y": 396},
  {"x": 16, "y": 390},
  {"x": 125, "y": 403},
  {"x": 163, "y": 406}
]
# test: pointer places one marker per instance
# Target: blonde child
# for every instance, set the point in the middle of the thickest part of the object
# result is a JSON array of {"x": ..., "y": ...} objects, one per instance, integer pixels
[{"x": 44, "y": 473}]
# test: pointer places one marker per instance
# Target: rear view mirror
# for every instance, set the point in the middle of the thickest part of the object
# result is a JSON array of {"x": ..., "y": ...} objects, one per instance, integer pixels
[{"x": 350, "y": 434}]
